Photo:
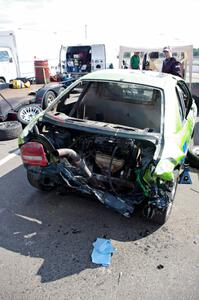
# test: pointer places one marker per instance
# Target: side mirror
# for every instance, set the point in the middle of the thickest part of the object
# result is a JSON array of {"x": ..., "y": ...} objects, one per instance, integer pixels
[{"x": 10, "y": 59}]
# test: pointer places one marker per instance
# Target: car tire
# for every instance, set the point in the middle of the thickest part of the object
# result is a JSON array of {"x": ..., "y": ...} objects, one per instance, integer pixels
[
  {"x": 195, "y": 137},
  {"x": 10, "y": 130},
  {"x": 27, "y": 112},
  {"x": 2, "y": 81},
  {"x": 193, "y": 157},
  {"x": 35, "y": 181},
  {"x": 61, "y": 90},
  {"x": 161, "y": 216},
  {"x": 48, "y": 98}
]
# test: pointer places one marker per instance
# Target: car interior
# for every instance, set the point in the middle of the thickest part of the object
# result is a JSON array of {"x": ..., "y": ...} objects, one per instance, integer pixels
[{"x": 124, "y": 104}]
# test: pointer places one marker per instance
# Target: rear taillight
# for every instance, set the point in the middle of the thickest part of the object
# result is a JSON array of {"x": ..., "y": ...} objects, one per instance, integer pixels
[{"x": 33, "y": 154}]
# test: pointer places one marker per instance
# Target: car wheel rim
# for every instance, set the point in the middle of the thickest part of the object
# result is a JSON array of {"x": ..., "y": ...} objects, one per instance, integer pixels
[
  {"x": 27, "y": 113},
  {"x": 50, "y": 99}
]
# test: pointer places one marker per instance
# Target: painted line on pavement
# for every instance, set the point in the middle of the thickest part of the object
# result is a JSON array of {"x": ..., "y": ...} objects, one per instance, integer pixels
[{"x": 8, "y": 157}]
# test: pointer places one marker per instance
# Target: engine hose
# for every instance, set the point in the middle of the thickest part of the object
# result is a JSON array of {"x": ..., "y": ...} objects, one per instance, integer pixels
[
  {"x": 109, "y": 177},
  {"x": 77, "y": 160}
]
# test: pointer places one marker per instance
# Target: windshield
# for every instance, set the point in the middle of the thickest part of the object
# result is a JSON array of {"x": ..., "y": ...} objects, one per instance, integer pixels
[{"x": 4, "y": 56}]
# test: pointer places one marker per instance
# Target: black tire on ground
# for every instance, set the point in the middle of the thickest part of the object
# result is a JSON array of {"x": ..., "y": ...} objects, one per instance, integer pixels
[
  {"x": 196, "y": 98},
  {"x": 61, "y": 90},
  {"x": 48, "y": 98},
  {"x": 195, "y": 141},
  {"x": 193, "y": 157},
  {"x": 27, "y": 112},
  {"x": 160, "y": 216},
  {"x": 2, "y": 80},
  {"x": 35, "y": 181},
  {"x": 10, "y": 130}
]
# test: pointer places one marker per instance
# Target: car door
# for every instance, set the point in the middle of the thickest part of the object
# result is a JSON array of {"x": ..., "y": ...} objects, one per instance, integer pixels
[
  {"x": 98, "y": 57},
  {"x": 187, "y": 115}
]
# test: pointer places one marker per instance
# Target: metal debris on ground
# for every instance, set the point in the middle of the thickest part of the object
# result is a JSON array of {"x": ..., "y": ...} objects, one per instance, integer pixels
[{"x": 102, "y": 252}]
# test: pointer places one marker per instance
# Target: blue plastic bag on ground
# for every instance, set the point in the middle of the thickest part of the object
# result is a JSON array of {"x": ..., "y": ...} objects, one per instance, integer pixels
[{"x": 102, "y": 252}]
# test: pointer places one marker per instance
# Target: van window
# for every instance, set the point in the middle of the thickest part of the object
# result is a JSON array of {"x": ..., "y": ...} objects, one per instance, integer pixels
[{"x": 4, "y": 56}]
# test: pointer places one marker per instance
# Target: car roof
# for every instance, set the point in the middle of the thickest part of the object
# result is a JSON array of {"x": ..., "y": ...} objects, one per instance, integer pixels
[{"x": 151, "y": 78}]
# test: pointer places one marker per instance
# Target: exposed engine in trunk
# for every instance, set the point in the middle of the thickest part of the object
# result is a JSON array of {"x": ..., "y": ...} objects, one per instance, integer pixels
[
  {"x": 111, "y": 161},
  {"x": 105, "y": 163}
]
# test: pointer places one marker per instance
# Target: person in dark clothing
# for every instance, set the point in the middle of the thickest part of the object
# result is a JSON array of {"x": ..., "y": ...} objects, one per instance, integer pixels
[{"x": 170, "y": 64}]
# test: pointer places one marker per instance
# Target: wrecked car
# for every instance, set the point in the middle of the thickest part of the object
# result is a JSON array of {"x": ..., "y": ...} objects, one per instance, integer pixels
[
  {"x": 120, "y": 136},
  {"x": 46, "y": 94}
]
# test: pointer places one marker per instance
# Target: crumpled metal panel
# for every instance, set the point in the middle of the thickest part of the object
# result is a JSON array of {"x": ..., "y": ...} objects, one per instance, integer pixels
[{"x": 122, "y": 204}]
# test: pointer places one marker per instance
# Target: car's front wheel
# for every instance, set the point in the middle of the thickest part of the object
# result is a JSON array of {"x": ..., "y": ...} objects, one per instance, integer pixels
[
  {"x": 61, "y": 90},
  {"x": 48, "y": 98}
]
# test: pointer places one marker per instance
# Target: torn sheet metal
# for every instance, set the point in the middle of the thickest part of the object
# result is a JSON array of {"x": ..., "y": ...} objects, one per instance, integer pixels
[
  {"x": 172, "y": 155},
  {"x": 102, "y": 252},
  {"x": 124, "y": 205},
  {"x": 165, "y": 169}
]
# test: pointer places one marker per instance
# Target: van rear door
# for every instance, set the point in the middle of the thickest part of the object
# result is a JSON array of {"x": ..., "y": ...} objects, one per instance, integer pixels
[{"x": 98, "y": 57}]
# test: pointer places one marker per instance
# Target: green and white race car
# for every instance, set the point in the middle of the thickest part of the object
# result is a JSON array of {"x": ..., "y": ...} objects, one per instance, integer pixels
[{"x": 120, "y": 136}]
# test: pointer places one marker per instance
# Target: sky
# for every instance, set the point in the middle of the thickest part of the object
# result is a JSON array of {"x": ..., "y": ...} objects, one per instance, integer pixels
[{"x": 43, "y": 25}]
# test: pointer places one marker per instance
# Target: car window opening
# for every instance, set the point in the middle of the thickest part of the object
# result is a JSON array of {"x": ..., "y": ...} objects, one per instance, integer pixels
[{"x": 124, "y": 104}]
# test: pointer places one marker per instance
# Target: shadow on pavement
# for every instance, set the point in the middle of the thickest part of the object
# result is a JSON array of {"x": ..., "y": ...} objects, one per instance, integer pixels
[{"x": 59, "y": 229}]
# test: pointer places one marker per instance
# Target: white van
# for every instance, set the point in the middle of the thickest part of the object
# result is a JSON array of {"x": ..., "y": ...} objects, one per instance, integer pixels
[
  {"x": 17, "y": 56},
  {"x": 9, "y": 62}
]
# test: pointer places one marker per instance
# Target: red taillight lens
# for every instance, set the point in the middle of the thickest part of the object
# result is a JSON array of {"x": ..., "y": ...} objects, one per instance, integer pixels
[{"x": 33, "y": 154}]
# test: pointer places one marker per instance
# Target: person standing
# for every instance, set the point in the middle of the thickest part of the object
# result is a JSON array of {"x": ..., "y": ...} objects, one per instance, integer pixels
[
  {"x": 124, "y": 65},
  {"x": 170, "y": 64},
  {"x": 135, "y": 61}
]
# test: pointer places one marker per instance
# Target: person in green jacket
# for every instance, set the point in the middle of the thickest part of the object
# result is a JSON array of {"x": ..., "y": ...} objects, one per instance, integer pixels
[{"x": 135, "y": 61}]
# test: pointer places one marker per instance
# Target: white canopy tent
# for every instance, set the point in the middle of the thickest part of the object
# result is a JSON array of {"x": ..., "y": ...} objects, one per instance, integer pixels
[{"x": 186, "y": 49}]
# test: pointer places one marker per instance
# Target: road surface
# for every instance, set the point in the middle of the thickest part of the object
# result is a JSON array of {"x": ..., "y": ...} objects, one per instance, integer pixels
[{"x": 46, "y": 244}]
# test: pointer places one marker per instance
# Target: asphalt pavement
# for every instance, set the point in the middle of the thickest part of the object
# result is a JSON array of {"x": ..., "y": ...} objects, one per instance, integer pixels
[{"x": 46, "y": 241}]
